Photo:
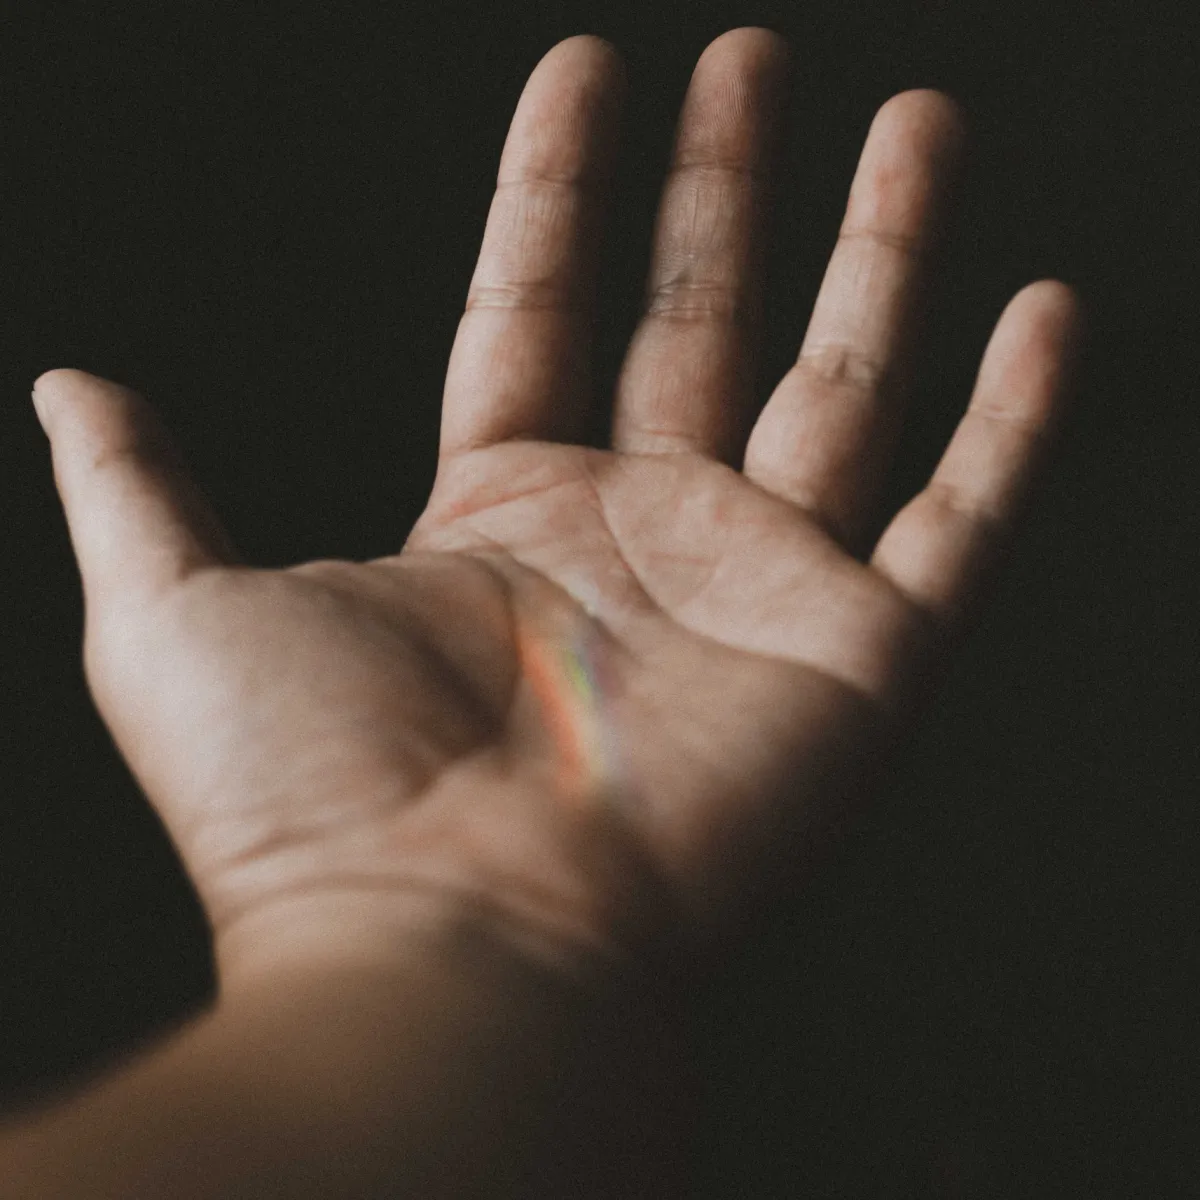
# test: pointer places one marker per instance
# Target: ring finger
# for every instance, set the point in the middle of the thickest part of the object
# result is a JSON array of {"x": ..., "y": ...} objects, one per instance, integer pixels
[{"x": 823, "y": 439}]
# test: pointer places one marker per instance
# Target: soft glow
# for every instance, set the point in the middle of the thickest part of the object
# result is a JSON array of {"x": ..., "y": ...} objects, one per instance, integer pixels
[{"x": 567, "y": 680}]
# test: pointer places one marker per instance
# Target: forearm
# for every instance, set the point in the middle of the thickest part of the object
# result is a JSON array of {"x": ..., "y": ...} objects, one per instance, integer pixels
[{"x": 426, "y": 1079}]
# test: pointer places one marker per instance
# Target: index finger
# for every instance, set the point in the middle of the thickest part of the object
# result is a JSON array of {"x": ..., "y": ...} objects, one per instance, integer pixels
[{"x": 519, "y": 365}]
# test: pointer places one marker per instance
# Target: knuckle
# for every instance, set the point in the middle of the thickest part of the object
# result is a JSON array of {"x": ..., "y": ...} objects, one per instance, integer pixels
[
  {"x": 525, "y": 295},
  {"x": 1031, "y": 425},
  {"x": 906, "y": 244},
  {"x": 688, "y": 300},
  {"x": 838, "y": 364},
  {"x": 955, "y": 501}
]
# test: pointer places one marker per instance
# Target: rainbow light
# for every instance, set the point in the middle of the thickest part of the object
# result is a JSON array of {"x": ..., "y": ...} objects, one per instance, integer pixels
[{"x": 567, "y": 680}]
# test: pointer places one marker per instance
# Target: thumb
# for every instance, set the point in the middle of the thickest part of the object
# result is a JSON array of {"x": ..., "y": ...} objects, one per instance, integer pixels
[{"x": 137, "y": 521}]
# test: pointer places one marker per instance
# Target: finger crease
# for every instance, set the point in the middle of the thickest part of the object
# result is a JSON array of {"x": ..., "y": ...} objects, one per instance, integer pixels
[
  {"x": 691, "y": 300},
  {"x": 905, "y": 244},
  {"x": 720, "y": 167},
  {"x": 527, "y": 297},
  {"x": 839, "y": 364}
]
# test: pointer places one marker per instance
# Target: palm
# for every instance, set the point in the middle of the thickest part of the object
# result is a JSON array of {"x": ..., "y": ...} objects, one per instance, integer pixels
[
  {"x": 746, "y": 654},
  {"x": 721, "y": 618}
]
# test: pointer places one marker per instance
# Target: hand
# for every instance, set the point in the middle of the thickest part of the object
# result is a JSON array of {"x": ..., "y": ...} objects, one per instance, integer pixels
[{"x": 598, "y": 692}]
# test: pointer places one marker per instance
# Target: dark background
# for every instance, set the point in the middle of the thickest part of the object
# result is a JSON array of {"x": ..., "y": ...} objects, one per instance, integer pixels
[{"x": 267, "y": 222}]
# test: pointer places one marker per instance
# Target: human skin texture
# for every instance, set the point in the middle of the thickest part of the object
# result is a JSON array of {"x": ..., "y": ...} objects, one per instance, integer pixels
[{"x": 599, "y": 698}]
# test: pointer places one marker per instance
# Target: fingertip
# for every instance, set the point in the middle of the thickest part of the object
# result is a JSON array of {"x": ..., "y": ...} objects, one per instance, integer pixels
[
  {"x": 591, "y": 51},
  {"x": 39, "y": 407},
  {"x": 936, "y": 113},
  {"x": 59, "y": 379},
  {"x": 1064, "y": 299},
  {"x": 45, "y": 386},
  {"x": 1069, "y": 318},
  {"x": 59, "y": 382},
  {"x": 47, "y": 379},
  {"x": 771, "y": 40},
  {"x": 1056, "y": 310}
]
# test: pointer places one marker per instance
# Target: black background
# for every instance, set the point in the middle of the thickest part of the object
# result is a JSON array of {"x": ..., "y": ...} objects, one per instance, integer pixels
[{"x": 267, "y": 221}]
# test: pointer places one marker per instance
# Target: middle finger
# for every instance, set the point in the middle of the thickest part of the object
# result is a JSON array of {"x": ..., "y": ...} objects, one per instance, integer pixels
[{"x": 688, "y": 376}]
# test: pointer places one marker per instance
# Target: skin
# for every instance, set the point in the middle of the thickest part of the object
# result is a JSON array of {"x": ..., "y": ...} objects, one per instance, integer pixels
[{"x": 325, "y": 742}]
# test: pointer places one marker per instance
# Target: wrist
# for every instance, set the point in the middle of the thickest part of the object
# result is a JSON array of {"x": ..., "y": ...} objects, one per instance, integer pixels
[
  {"x": 374, "y": 933},
  {"x": 564, "y": 885},
  {"x": 345, "y": 1075}
]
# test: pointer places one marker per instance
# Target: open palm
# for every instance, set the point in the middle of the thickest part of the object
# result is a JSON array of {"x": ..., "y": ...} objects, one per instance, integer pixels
[{"x": 592, "y": 680}]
